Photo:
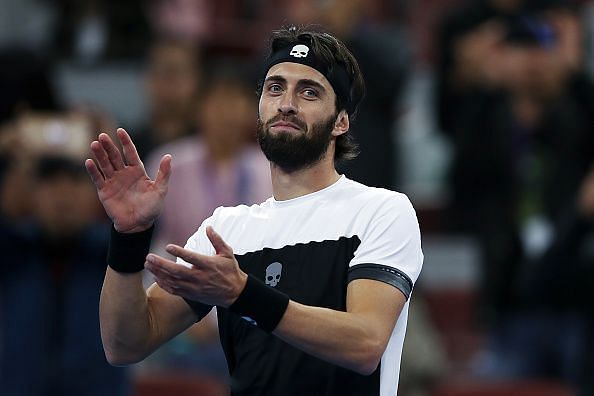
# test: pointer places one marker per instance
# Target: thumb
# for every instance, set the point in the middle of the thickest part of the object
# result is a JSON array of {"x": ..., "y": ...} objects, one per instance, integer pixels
[
  {"x": 164, "y": 171},
  {"x": 220, "y": 246}
]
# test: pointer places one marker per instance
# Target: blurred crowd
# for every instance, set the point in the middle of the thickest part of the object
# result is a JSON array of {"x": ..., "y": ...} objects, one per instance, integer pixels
[{"x": 505, "y": 86}]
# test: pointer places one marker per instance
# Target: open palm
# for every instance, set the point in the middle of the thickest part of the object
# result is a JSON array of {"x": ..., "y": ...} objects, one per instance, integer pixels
[{"x": 131, "y": 199}]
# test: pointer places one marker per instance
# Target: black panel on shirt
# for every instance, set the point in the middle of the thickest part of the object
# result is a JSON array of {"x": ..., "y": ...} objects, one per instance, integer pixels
[
  {"x": 383, "y": 273},
  {"x": 316, "y": 274}
]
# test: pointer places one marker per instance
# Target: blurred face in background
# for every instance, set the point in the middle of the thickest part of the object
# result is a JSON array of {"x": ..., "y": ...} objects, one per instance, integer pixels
[
  {"x": 227, "y": 114},
  {"x": 28, "y": 142},
  {"x": 64, "y": 203},
  {"x": 533, "y": 71},
  {"x": 172, "y": 78}
]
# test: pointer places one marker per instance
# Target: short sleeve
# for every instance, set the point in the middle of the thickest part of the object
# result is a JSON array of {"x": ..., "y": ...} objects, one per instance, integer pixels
[{"x": 390, "y": 249}]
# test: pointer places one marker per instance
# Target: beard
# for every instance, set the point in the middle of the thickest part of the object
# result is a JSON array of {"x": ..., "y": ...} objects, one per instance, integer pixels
[{"x": 292, "y": 151}]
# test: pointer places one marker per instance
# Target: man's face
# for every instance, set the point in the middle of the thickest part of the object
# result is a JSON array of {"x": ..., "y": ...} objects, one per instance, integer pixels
[{"x": 297, "y": 116}]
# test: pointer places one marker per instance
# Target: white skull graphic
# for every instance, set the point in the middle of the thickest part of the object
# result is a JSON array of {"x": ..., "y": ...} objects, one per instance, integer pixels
[
  {"x": 299, "y": 51},
  {"x": 273, "y": 274}
]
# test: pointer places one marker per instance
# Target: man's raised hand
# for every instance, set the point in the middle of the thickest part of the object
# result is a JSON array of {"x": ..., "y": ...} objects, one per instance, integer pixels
[{"x": 131, "y": 199}]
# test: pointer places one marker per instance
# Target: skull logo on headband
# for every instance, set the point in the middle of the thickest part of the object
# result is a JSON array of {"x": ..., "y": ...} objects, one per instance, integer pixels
[{"x": 299, "y": 51}]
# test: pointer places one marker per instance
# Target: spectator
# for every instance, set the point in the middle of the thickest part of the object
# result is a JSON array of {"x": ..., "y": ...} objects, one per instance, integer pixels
[
  {"x": 25, "y": 83},
  {"x": 220, "y": 158},
  {"x": 172, "y": 81},
  {"x": 568, "y": 268},
  {"x": 51, "y": 274},
  {"x": 518, "y": 108}
]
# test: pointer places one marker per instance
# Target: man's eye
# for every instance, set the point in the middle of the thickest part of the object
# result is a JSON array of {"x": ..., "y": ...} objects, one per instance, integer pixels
[
  {"x": 274, "y": 88},
  {"x": 310, "y": 93}
]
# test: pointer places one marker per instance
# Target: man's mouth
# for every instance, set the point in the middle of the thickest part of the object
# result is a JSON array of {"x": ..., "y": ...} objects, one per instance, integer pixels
[{"x": 284, "y": 126}]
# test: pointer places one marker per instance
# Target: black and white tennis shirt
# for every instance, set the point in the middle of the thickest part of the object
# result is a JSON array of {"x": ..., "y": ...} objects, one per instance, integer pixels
[{"x": 310, "y": 248}]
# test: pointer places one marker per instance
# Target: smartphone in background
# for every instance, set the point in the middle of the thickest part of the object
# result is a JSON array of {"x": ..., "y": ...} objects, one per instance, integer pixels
[{"x": 56, "y": 134}]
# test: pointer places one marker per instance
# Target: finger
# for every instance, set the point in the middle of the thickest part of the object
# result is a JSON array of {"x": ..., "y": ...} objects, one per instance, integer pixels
[
  {"x": 218, "y": 243},
  {"x": 187, "y": 255},
  {"x": 130, "y": 152},
  {"x": 164, "y": 172},
  {"x": 160, "y": 265},
  {"x": 105, "y": 165},
  {"x": 158, "y": 271},
  {"x": 169, "y": 283},
  {"x": 96, "y": 176},
  {"x": 114, "y": 155}
]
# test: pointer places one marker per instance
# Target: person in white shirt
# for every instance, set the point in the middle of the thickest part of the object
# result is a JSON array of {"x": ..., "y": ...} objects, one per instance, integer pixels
[{"x": 311, "y": 287}]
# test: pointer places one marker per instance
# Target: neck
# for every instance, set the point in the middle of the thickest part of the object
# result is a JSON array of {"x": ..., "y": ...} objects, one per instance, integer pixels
[{"x": 289, "y": 185}]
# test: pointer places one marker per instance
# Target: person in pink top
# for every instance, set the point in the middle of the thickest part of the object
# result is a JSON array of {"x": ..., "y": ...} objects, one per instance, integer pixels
[{"x": 219, "y": 163}]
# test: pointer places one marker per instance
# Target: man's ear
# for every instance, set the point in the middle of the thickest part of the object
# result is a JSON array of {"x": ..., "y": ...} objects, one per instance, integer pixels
[{"x": 341, "y": 125}]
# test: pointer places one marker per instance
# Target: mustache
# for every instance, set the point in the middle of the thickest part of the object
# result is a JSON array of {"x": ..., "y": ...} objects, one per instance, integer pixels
[{"x": 293, "y": 119}]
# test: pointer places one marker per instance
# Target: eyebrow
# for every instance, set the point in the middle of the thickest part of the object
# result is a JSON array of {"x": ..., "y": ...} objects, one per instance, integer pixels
[{"x": 300, "y": 83}]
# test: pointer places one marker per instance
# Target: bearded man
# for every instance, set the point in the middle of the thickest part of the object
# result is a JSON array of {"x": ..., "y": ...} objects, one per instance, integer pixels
[{"x": 312, "y": 286}]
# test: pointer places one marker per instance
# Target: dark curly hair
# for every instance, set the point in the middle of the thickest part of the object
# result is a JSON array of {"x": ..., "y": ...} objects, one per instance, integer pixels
[{"x": 332, "y": 51}]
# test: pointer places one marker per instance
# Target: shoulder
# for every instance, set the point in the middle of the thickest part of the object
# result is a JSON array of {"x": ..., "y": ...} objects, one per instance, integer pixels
[{"x": 375, "y": 199}]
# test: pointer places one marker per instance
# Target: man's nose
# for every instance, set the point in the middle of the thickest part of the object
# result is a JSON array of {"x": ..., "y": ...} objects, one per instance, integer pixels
[{"x": 287, "y": 105}]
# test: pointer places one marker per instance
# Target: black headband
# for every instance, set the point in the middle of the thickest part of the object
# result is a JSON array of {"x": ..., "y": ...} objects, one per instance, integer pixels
[{"x": 335, "y": 73}]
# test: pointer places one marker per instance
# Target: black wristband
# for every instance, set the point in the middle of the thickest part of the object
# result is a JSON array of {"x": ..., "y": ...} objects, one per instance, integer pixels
[
  {"x": 127, "y": 252},
  {"x": 262, "y": 303}
]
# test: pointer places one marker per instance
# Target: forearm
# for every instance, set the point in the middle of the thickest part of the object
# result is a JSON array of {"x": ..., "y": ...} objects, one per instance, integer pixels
[
  {"x": 343, "y": 338},
  {"x": 125, "y": 318}
]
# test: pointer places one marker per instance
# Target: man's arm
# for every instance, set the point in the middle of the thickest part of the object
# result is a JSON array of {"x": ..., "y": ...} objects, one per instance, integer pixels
[
  {"x": 355, "y": 339},
  {"x": 134, "y": 323}
]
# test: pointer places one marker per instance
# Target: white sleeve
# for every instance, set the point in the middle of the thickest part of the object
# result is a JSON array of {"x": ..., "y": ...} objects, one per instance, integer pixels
[
  {"x": 390, "y": 249},
  {"x": 199, "y": 242}
]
